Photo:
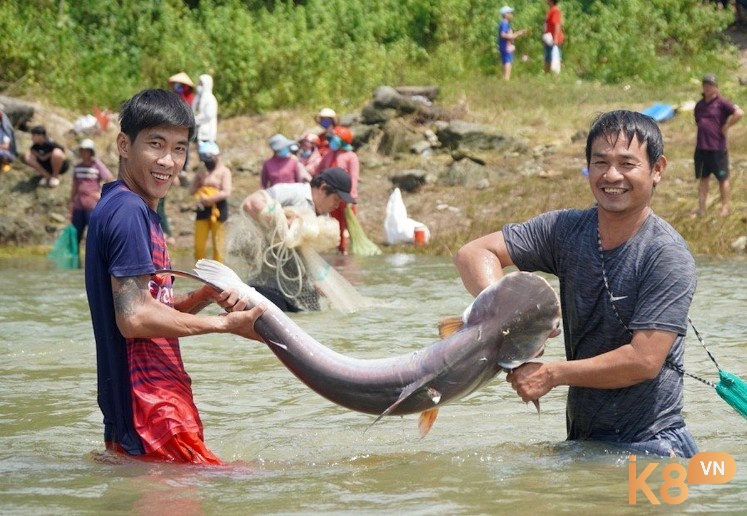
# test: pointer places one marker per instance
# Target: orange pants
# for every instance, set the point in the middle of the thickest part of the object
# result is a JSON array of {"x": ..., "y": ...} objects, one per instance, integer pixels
[{"x": 185, "y": 448}]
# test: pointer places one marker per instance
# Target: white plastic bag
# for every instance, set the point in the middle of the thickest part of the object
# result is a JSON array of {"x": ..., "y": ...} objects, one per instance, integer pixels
[
  {"x": 397, "y": 225},
  {"x": 555, "y": 59}
]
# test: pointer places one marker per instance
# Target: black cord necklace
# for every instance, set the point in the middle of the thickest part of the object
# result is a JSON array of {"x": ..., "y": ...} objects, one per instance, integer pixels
[{"x": 668, "y": 362}]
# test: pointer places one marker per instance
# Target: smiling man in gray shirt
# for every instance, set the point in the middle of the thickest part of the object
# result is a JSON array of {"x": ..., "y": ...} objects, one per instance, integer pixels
[{"x": 626, "y": 282}]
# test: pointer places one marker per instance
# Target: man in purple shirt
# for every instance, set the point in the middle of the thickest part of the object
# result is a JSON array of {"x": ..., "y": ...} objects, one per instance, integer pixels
[{"x": 714, "y": 115}]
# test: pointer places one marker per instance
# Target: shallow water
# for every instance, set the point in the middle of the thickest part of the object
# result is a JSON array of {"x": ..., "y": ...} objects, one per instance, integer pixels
[{"x": 292, "y": 451}]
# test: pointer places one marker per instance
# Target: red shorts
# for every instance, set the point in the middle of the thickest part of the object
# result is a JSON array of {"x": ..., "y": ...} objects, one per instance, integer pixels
[{"x": 185, "y": 448}]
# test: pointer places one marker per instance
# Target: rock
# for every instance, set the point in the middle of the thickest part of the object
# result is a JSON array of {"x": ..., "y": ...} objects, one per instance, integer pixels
[
  {"x": 482, "y": 184},
  {"x": 364, "y": 134},
  {"x": 463, "y": 173},
  {"x": 350, "y": 119},
  {"x": 409, "y": 180},
  {"x": 461, "y": 134},
  {"x": 740, "y": 244},
  {"x": 420, "y": 147},
  {"x": 18, "y": 112},
  {"x": 387, "y": 97},
  {"x": 429, "y": 92},
  {"x": 397, "y": 138},
  {"x": 372, "y": 115}
]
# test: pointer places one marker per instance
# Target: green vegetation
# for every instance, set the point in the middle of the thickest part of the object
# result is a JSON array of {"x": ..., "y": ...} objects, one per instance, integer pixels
[{"x": 268, "y": 54}]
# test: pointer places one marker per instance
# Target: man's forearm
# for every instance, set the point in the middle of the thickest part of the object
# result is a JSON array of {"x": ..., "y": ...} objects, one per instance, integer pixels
[{"x": 194, "y": 301}]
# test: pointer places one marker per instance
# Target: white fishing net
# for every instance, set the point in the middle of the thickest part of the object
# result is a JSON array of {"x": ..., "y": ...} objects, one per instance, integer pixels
[{"x": 285, "y": 257}]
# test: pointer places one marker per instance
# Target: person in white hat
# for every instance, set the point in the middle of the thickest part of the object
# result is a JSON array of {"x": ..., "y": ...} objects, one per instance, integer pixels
[
  {"x": 506, "y": 38},
  {"x": 88, "y": 176},
  {"x": 327, "y": 118},
  {"x": 283, "y": 166}
]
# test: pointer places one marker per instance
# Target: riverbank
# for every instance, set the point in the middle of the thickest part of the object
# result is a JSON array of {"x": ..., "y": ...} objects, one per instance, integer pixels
[{"x": 545, "y": 174}]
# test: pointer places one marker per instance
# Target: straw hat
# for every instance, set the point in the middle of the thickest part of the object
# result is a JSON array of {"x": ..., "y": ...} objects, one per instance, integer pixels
[
  {"x": 326, "y": 113},
  {"x": 182, "y": 78}
]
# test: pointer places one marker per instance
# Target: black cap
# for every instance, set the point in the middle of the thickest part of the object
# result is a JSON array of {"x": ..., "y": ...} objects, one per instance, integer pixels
[{"x": 338, "y": 179}]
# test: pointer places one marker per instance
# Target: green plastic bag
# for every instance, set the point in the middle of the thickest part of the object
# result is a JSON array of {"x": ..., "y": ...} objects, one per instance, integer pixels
[{"x": 65, "y": 251}]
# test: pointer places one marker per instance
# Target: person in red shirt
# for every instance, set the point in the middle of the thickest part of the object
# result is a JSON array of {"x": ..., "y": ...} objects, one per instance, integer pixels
[
  {"x": 553, "y": 26},
  {"x": 182, "y": 85},
  {"x": 144, "y": 391},
  {"x": 341, "y": 154},
  {"x": 327, "y": 119}
]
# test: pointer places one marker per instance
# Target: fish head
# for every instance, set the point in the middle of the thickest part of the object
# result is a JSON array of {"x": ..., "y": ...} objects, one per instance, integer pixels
[{"x": 517, "y": 314}]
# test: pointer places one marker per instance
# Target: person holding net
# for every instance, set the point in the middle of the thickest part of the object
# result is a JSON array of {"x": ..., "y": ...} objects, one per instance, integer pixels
[{"x": 284, "y": 224}]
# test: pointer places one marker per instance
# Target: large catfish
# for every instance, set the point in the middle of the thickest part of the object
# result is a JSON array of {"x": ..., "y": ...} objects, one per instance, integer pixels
[{"x": 506, "y": 326}]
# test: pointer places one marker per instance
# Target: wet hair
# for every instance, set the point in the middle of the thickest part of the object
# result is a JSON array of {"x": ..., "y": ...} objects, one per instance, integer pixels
[
  {"x": 39, "y": 129},
  {"x": 631, "y": 125},
  {"x": 152, "y": 108}
]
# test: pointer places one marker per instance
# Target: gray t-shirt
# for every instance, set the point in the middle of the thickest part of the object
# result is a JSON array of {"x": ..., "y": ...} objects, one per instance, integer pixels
[
  {"x": 652, "y": 278},
  {"x": 292, "y": 194}
]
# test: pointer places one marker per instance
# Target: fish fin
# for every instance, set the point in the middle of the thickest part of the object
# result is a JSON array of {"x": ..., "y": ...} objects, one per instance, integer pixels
[
  {"x": 537, "y": 406},
  {"x": 449, "y": 326},
  {"x": 426, "y": 420},
  {"x": 182, "y": 274},
  {"x": 407, "y": 392},
  {"x": 278, "y": 344},
  {"x": 218, "y": 274}
]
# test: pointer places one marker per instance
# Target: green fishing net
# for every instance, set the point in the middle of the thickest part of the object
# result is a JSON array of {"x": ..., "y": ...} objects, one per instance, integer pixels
[
  {"x": 733, "y": 390},
  {"x": 360, "y": 245},
  {"x": 65, "y": 251}
]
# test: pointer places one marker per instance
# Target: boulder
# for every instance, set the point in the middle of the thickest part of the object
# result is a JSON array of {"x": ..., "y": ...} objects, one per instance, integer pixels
[
  {"x": 18, "y": 112},
  {"x": 397, "y": 138},
  {"x": 410, "y": 180},
  {"x": 460, "y": 134}
]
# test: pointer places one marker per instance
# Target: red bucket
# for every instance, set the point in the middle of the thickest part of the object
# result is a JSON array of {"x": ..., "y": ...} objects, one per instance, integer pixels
[{"x": 419, "y": 235}]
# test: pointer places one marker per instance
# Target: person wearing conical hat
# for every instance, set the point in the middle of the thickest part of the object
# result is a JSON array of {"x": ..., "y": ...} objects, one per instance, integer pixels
[{"x": 183, "y": 86}]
